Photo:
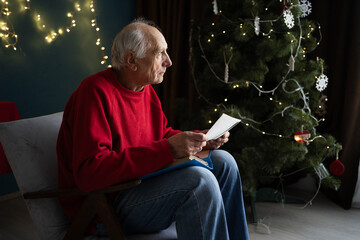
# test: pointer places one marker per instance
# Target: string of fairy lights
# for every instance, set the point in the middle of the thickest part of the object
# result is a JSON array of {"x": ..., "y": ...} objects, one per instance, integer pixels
[
  {"x": 7, "y": 33},
  {"x": 283, "y": 83},
  {"x": 297, "y": 52},
  {"x": 10, "y": 38}
]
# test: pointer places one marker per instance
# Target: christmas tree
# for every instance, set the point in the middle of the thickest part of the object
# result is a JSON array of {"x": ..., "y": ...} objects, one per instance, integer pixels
[{"x": 252, "y": 59}]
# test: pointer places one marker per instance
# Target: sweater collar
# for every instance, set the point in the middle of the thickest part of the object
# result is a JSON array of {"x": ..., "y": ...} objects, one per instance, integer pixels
[{"x": 121, "y": 88}]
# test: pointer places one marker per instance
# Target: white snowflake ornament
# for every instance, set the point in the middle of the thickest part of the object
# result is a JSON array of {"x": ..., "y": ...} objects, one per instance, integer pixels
[
  {"x": 257, "y": 25},
  {"x": 305, "y": 8},
  {"x": 289, "y": 19},
  {"x": 215, "y": 7},
  {"x": 321, "y": 82}
]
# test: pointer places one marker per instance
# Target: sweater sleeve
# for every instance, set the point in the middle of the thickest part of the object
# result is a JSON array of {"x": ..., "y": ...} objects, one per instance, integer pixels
[
  {"x": 97, "y": 163},
  {"x": 169, "y": 132}
]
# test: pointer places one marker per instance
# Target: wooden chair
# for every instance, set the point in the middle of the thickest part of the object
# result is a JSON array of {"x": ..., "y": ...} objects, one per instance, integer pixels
[{"x": 30, "y": 147}]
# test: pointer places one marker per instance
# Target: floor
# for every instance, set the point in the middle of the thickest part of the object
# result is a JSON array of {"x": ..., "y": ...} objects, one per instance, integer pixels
[{"x": 321, "y": 220}]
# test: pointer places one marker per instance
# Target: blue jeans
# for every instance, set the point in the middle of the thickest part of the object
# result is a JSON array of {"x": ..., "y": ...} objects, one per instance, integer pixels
[{"x": 206, "y": 205}]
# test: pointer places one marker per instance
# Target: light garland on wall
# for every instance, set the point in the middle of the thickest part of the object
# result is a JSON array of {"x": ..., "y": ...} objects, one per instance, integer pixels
[
  {"x": 50, "y": 34},
  {"x": 97, "y": 30},
  {"x": 11, "y": 38},
  {"x": 6, "y": 34}
]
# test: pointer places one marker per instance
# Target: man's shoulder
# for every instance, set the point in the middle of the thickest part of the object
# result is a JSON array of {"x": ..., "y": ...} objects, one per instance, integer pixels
[{"x": 102, "y": 80}]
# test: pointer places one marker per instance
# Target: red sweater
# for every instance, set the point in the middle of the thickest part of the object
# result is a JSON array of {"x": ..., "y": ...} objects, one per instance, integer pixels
[{"x": 109, "y": 135}]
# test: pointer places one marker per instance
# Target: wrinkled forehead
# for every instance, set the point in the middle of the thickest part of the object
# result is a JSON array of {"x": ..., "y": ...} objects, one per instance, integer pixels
[{"x": 156, "y": 39}]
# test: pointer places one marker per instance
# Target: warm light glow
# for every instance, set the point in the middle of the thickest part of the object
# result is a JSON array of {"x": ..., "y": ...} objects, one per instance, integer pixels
[
  {"x": 93, "y": 23},
  {"x": 10, "y": 38}
]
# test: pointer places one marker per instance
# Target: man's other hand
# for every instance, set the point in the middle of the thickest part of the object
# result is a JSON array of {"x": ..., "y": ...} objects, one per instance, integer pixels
[{"x": 216, "y": 143}]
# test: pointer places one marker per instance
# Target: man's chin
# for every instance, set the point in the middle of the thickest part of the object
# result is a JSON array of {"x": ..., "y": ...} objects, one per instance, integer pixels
[{"x": 158, "y": 80}]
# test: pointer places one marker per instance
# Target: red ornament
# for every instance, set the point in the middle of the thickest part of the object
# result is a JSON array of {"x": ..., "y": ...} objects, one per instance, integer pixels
[
  {"x": 286, "y": 1},
  {"x": 337, "y": 168},
  {"x": 302, "y": 136}
]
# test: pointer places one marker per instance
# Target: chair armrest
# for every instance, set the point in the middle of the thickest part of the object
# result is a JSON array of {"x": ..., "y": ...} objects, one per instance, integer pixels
[{"x": 53, "y": 193}]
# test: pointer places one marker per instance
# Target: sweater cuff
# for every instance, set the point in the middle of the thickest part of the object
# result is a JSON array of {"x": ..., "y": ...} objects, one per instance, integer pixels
[{"x": 168, "y": 154}]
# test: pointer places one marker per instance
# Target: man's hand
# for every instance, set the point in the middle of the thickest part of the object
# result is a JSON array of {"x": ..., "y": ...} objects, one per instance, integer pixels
[
  {"x": 187, "y": 143},
  {"x": 217, "y": 143}
]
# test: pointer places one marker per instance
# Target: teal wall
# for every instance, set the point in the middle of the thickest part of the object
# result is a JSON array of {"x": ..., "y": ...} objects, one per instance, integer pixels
[{"x": 40, "y": 77}]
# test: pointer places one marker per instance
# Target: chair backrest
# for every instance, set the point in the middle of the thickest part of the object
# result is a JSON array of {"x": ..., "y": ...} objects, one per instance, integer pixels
[{"x": 30, "y": 147}]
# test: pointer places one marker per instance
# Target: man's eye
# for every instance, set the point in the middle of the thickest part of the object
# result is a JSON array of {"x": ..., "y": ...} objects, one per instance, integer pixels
[{"x": 159, "y": 54}]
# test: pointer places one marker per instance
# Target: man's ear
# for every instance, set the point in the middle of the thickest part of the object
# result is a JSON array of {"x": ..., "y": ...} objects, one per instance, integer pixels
[{"x": 130, "y": 62}]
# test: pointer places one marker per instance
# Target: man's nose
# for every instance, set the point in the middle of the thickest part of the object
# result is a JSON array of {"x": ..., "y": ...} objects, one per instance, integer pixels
[{"x": 167, "y": 61}]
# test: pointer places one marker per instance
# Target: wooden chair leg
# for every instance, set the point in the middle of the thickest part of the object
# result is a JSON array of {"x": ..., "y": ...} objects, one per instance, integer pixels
[
  {"x": 108, "y": 215},
  {"x": 82, "y": 220},
  {"x": 96, "y": 203}
]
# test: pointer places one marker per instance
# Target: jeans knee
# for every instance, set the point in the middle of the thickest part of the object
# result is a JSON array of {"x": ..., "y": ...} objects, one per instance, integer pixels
[
  {"x": 205, "y": 184},
  {"x": 224, "y": 160}
]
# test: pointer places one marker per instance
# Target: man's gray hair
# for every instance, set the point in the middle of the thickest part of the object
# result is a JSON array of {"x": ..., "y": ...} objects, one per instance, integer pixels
[{"x": 130, "y": 39}]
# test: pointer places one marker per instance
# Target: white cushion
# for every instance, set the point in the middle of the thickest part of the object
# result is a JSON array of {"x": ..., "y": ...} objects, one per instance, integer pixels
[{"x": 30, "y": 147}]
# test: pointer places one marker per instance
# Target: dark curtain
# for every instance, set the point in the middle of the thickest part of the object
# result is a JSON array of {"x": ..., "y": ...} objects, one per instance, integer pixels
[
  {"x": 174, "y": 18},
  {"x": 340, "y": 48},
  {"x": 340, "y": 23}
]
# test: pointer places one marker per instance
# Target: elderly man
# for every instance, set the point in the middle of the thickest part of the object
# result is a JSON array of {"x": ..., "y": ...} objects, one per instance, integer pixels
[{"x": 114, "y": 130}]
